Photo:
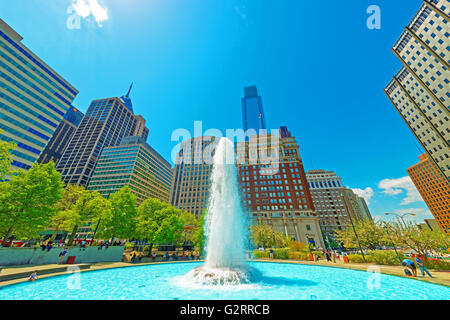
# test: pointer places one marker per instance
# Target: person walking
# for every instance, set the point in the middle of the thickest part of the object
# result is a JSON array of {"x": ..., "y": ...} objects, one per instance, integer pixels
[
  {"x": 62, "y": 254},
  {"x": 33, "y": 276},
  {"x": 421, "y": 266},
  {"x": 333, "y": 256},
  {"x": 271, "y": 254}
]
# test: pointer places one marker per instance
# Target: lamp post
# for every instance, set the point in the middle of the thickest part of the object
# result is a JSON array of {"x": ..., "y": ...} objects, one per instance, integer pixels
[
  {"x": 393, "y": 244},
  {"x": 353, "y": 227},
  {"x": 400, "y": 216}
]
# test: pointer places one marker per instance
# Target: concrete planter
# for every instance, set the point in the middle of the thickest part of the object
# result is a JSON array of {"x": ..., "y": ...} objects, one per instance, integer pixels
[{"x": 35, "y": 256}]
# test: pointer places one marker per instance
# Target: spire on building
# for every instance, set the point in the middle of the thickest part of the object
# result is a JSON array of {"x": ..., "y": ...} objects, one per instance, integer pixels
[{"x": 126, "y": 99}]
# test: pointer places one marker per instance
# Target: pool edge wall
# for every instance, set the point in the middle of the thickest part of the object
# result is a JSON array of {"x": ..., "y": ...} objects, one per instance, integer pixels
[{"x": 35, "y": 256}]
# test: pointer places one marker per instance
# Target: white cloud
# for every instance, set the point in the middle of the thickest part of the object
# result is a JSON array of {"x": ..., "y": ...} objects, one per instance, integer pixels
[
  {"x": 85, "y": 8},
  {"x": 400, "y": 186},
  {"x": 366, "y": 193}
]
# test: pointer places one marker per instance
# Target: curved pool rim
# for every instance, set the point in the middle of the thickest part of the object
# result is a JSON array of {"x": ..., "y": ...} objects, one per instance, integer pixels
[{"x": 146, "y": 264}]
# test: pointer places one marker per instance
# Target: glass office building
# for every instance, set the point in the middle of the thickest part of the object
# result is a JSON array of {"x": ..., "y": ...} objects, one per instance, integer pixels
[
  {"x": 106, "y": 122},
  {"x": 252, "y": 110},
  {"x": 33, "y": 99},
  {"x": 136, "y": 164},
  {"x": 60, "y": 139}
]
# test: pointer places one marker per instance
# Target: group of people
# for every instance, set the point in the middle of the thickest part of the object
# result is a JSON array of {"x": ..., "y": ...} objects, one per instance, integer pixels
[
  {"x": 186, "y": 256},
  {"x": 411, "y": 269}
]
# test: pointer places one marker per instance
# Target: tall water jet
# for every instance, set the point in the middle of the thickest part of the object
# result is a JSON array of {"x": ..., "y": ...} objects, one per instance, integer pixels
[{"x": 225, "y": 225}]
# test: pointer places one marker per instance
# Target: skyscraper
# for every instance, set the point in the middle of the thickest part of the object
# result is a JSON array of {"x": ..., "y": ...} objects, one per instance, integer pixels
[
  {"x": 192, "y": 173},
  {"x": 252, "y": 110},
  {"x": 106, "y": 122},
  {"x": 434, "y": 189},
  {"x": 274, "y": 186},
  {"x": 33, "y": 99},
  {"x": 136, "y": 164},
  {"x": 334, "y": 203},
  {"x": 420, "y": 90},
  {"x": 60, "y": 139}
]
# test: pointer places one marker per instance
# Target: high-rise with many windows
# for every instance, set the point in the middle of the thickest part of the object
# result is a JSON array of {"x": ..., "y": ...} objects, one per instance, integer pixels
[
  {"x": 33, "y": 99},
  {"x": 434, "y": 189},
  {"x": 106, "y": 122},
  {"x": 60, "y": 139},
  {"x": 334, "y": 204},
  {"x": 192, "y": 173},
  {"x": 136, "y": 164},
  {"x": 252, "y": 110},
  {"x": 274, "y": 186},
  {"x": 420, "y": 90}
]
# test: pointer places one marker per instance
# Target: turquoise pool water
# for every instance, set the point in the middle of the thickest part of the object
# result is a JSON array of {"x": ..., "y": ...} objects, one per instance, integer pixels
[{"x": 277, "y": 281}]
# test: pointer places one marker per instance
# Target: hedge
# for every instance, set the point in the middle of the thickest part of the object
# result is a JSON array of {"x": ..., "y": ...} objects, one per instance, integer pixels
[
  {"x": 387, "y": 257},
  {"x": 436, "y": 264},
  {"x": 298, "y": 255},
  {"x": 356, "y": 258},
  {"x": 260, "y": 254}
]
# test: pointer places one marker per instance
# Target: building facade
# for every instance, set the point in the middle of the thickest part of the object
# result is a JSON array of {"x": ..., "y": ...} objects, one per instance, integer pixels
[
  {"x": 434, "y": 189},
  {"x": 420, "y": 90},
  {"x": 60, "y": 139},
  {"x": 136, "y": 164},
  {"x": 252, "y": 110},
  {"x": 274, "y": 186},
  {"x": 334, "y": 204},
  {"x": 192, "y": 175},
  {"x": 106, "y": 122},
  {"x": 33, "y": 99}
]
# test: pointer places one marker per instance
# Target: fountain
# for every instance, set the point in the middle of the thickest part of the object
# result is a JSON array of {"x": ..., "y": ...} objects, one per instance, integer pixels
[{"x": 225, "y": 225}]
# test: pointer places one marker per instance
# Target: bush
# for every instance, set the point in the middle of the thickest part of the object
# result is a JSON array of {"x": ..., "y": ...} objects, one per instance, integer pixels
[
  {"x": 146, "y": 248},
  {"x": 369, "y": 258},
  {"x": 436, "y": 264},
  {"x": 298, "y": 255},
  {"x": 129, "y": 245},
  {"x": 356, "y": 258},
  {"x": 260, "y": 254},
  {"x": 318, "y": 253},
  {"x": 282, "y": 253},
  {"x": 295, "y": 246},
  {"x": 387, "y": 257}
]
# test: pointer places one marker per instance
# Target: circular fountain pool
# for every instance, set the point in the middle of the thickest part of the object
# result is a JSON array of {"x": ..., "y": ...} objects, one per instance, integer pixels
[{"x": 277, "y": 281}]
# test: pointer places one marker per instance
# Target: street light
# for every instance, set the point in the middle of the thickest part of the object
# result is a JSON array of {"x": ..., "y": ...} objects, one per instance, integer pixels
[
  {"x": 353, "y": 226},
  {"x": 400, "y": 216}
]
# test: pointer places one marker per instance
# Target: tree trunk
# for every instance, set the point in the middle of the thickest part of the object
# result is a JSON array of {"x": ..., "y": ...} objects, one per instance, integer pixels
[
  {"x": 7, "y": 235},
  {"x": 150, "y": 247},
  {"x": 72, "y": 236},
  {"x": 54, "y": 234}
]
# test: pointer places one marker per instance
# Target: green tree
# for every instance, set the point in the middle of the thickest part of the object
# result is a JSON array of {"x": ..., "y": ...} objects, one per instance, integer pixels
[
  {"x": 159, "y": 222},
  {"x": 27, "y": 201},
  {"x": 370, "y": 234},
  {"x": 5, "y": 158},
  {"x": 66, "y": 217},
  {"x": 422, "y": 241},
  {"x": 265, "y": 236},
  {"x": 199, "y": 233},
  {"x": 121, "y": 220},
  {"x": 191, "y": 224},
  {"x": 90, "y": 207}
]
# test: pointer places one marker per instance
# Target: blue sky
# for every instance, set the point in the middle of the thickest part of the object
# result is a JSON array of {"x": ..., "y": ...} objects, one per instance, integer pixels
[{"x": 319, "y": 69}]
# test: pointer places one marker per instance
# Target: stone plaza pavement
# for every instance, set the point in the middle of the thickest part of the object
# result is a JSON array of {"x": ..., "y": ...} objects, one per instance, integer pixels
[{"x": 12, "y": 275}]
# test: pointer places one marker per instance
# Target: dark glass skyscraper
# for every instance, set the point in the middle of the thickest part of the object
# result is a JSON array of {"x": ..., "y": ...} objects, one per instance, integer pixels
[
  {"x": 106, "y": 122},
  {"x": 60, "y": 139},
  {"x": 252, "y": 110}
]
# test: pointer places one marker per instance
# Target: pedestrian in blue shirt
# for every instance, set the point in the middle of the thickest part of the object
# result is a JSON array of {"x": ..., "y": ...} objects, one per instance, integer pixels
[{"x": 421, "y": 266}]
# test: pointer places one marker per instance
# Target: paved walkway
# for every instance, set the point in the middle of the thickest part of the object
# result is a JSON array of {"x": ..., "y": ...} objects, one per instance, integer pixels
[{"x": 439, "y": 277}]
